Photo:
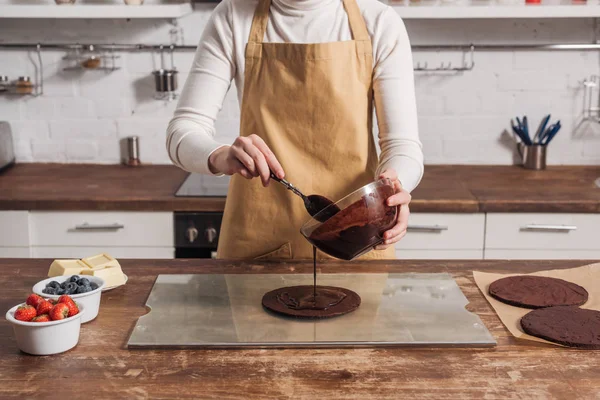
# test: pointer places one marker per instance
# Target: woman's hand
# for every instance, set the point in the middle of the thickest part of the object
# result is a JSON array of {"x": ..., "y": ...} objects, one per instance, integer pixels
[
  {"x": 248, "y": 156},
  {"x": 400, "y": 198}
]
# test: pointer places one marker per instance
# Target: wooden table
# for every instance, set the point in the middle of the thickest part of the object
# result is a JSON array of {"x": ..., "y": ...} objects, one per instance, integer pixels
[
  {"x": 444, "y": 188},
  {"x": 101, "y": 367}
]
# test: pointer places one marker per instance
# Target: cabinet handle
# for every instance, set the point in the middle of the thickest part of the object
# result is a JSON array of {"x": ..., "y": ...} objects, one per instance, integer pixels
[
  {"x": 550, "y": 228},
  {"x": 87, "y": 227},
  {"x": 427, "y": 228}
]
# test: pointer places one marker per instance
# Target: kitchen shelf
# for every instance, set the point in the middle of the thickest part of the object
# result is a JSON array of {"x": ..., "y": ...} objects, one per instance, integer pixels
[
  {"x": 498, "y": 11},
  {"x": 52, "y": 11}
]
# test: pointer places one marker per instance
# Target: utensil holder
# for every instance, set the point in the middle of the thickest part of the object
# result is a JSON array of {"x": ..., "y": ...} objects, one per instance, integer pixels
[{"x": 534, "y": 157}]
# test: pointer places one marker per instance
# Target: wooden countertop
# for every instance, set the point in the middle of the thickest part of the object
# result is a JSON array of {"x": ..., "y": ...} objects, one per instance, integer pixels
[
  {"x": 445, "y": 188},
  {"x": 100, "y": 367}
]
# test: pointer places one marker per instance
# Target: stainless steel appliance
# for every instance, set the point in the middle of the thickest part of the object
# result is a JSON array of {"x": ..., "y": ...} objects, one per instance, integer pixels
[
  {"x": 7, "y": 151},
  {"x": 197, "y": 233},
  {"x": 409, "y": 309}
]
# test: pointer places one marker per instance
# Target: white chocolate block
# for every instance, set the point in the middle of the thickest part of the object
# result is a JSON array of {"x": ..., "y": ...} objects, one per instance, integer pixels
[
  {"x": 67, "y": 267},
  {"x": 101, "y": 260},
  {"x": 113, "y": 276}
]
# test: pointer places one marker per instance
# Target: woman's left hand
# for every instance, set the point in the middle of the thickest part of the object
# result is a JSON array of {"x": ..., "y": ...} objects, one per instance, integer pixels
[{"x": 400, "y": 198}]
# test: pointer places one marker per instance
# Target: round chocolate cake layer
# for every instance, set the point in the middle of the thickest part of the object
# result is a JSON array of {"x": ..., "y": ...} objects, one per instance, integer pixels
[
  {"x": 300, "y": 302},
  {"x": 537, "y": 292},
  {"x": 570, "y": 326}
]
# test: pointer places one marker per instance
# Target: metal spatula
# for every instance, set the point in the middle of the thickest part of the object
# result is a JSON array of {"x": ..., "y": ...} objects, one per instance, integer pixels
[{"x": 313, "y": 203}]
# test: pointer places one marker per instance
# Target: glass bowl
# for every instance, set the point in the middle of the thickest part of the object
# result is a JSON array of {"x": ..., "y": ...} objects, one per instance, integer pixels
[{"x": 359, "y": 225}]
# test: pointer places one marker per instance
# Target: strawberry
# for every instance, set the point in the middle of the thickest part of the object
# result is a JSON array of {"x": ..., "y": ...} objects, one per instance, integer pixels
[
  {"x": 52, "y": 301},
  {"x": 65, "y": 298},
  {"x": 59, "y": 311},
  {"x": 73, "y": 309},
  {"x": 33, "y": 300},
  {"x": 44, "y": 307},
  {"x": 41, "y": 318},
  {"x": 25, "y": 313}
]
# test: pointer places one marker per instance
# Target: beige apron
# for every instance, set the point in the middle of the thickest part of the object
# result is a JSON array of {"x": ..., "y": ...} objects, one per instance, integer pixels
[{"x": 312, "y": 105}]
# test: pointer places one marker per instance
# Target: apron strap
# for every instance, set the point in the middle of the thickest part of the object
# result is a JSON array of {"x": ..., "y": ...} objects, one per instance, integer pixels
[
  {"x": 261, "y": 19},
  {"x": 358, "y": 27},
  {"x": 259, "y": 22}
]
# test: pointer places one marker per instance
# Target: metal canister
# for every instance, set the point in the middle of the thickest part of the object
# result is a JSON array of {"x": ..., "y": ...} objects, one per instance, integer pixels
[
  {"x": 534, "y": 157},
  {"x": 165, "y": 80},
  {"x": 133, "y": 151}
]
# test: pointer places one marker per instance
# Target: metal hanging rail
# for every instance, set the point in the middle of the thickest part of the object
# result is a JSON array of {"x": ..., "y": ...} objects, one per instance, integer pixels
[{"x": 155, "y": 47}]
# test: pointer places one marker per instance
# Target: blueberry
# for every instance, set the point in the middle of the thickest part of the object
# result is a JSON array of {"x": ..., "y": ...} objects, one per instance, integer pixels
[
  {"x": 74, "y": 278},
  {"x": 60, "y": 291},
  {"x": 83, "y": 282},
  {"x": 53, "y": 284},
  {"x": 64, "y": 284},
  {"x": 84, "y": 289},
  {"x": 94, "y": 285},
  {"x": 49, "y": 290},
  {"x": 71, "y": 288}
]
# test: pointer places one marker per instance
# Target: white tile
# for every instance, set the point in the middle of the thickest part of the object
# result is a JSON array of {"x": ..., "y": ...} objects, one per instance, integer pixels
[
  {"x": 73, "y": 108},
  {"x": 23, "y": 151},
  {"x": 88, "y": 128},
  {"x": 10, "y": 108},
  {"x": 81, "y": 150},
  {"x": 49, "y": 151},
  {"x": 143, "y": 127},
  {"x": 30, "y": 129},
  {"x": 38, "y": 108},
  {"x": 108, "y": 107}
]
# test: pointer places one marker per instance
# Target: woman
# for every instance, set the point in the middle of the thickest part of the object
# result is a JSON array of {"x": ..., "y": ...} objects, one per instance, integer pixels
[{"x": 307, "y": 73}]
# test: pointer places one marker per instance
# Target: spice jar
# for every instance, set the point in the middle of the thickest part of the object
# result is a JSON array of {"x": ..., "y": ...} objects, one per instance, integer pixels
[
  {"x": 91, "y": 63},
  {"x": 24, "y": 85},
  {"x": 3, "y": 83}
]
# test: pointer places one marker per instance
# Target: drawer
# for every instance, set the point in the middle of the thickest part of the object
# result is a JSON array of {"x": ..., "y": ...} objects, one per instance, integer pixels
[
  {"x": 115, "y": 229},
  {"x": 117, "y": 252},
  {"x": 14, "y": 228},
  {"x": 543, "y": 231},
  {"x": 15, "y": 252},
  {"x": 542, "y": 254},
  {"x": 444, "y": 232},
  {"x": 439, "y": 254}
]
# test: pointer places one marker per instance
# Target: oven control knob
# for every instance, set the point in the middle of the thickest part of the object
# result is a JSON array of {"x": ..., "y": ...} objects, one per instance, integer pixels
[
  {"x": 211, "y": 234},
  {"x": 191, "y": 234}
]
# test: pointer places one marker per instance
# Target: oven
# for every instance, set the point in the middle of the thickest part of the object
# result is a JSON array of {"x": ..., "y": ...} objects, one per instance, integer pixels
[{"x": 197, "y": 234}]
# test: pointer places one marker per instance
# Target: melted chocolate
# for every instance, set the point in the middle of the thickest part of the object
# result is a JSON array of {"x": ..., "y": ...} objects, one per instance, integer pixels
[
  {"x": 569, "y": 326},
  {"x": 537, "y": 292},
  {"x": 357, "y": 228},
  {"x": 300, "y": 302},
  {"x": 316, "y": 204},
  {"x": 297, "y": 298}
]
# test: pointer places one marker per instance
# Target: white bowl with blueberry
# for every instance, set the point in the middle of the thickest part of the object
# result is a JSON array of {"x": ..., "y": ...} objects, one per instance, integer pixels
[{"x": 85, "y": 290}]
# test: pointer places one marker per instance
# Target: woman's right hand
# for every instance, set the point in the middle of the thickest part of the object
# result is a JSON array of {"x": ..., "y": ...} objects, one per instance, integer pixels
[{"x": 248, "y": 156}]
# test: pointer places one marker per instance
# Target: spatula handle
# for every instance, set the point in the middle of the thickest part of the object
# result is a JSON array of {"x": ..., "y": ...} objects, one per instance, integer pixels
[{"x": 288, "y": 185}]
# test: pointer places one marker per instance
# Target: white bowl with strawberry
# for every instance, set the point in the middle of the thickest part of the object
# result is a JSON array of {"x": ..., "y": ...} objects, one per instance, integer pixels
[
  {"x": 90, "y": 298},
  {"x": 42, "y": 327}
]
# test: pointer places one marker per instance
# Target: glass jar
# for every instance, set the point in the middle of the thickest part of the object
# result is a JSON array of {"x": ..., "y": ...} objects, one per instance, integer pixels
[{"x": 24, "y": 85}]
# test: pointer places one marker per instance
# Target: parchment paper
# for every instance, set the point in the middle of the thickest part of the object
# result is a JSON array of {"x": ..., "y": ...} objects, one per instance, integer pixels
[{"x": 587, "y": 276}]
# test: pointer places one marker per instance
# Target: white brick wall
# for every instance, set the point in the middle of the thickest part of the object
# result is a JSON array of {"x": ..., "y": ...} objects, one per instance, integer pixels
[{"x": 464, "y": 118}]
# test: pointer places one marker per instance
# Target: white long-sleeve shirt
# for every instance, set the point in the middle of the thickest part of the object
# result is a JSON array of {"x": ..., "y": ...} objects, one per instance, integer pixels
[{"x": 220, "y": 59}]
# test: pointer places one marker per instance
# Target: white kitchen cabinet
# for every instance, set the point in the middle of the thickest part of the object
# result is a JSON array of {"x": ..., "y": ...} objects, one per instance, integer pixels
[
  {"x": 443, "y": 236},
  {"x": 14, "y": 234},
  {"x": 58, "y": 252},
  {"x": 405, "y": 254},
  {"x": 102, "y": 229},
  {"x": 14, "y": 229},
  {"x": 542, "y": 254},
  {"x": 15, "y": 252},
  {"x": 542, "y": 236}
]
